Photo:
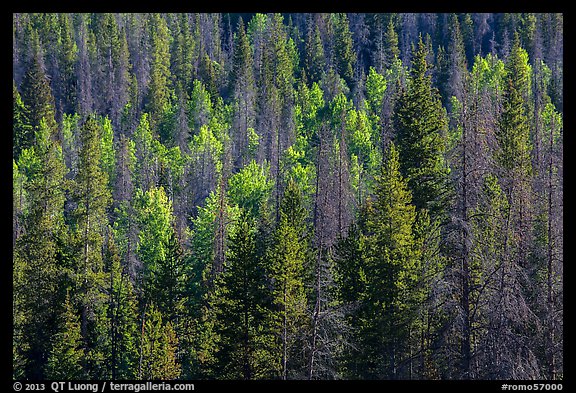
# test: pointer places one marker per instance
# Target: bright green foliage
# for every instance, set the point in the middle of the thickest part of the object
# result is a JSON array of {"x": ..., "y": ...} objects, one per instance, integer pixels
[
  {"x": 421, "y": 124},
  {"x": 256, "y": 26},
  {"x": 375, "y": 89},
  {"x": 242, "y": 301},
  {"x": 298, "y": 161},
  {"x": 308, "y": 106},
  {"x": 365, "y": 156},
  {"x": 488, "y": 71},
  {"x": 108, "y": 156},
  {"x": 155, "y": 220},
  {"x": 206, "y": 155},
  {"x": 145, "y": 164},
  {"x": 199, "y": 106},
  {"x": 513, "y": 134},
  {"x": 298, "y": 166},
  {"x": 250, "y": 188},
  {"x": 66, "y": 357},
  {"x": 289, "y": 254},
  {"x": 158, "y": 348}
]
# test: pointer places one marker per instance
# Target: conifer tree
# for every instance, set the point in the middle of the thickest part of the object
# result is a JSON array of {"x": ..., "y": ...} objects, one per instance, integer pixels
[
  {"x": 159, "y": 90},
  {"x": 242, "y": 302},
  {"x": 122, "y": 316},
  {"x": 158, "y": 343},
  {"x": 289, "y": 254},
  {"x": 92, "y": 196},
  {"x": 344, "y": 55},
  {"x": 378, "y": 276},
  {"x": 22, "y": 130},
  {"x": 391, "y": 50},
  {"x": 421, "y": 124},
  {"x": 66, "y": 357},
  {"x": 36, "y": 92},
  {"x": 38, "y": 251},
  {"x": 244, "y": 93},
  {"x": 314, "y": 55}
]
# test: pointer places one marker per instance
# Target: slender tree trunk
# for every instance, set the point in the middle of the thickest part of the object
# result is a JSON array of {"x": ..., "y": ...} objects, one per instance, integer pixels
[
  {"x": 284, "y": 338},
  {"x": 549, "y": 272},
  {"x": 315, "y": 316}
]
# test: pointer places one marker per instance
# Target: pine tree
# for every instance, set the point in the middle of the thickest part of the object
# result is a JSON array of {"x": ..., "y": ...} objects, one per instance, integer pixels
[
  {"x": 66, "y": 356},
  {"x": 314, "y": 55},
  {"x": 344, "y": 55},
  {"x": 92, "y": 197},
  {"x": 22, "y": 130},
  {"x": 289, "y": 254},
  {"x": 421, "y": 124},
  {"x": 36, "y": 92},
  {"x": 158, "y": 344},
  {"x": 159, "y": 90},
  {"x": 378, "y": 275},
  {"x": 391, "y": 51},
  {"x": 122, "y": 316},
  {"x": 242, "y": 303},
  {"x": 244, "y": 93},
  {"x": 38, "y": 251}
]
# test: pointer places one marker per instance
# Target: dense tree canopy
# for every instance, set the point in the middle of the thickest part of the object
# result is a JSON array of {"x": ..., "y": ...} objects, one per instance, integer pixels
[{"x": 287, "y": 196}]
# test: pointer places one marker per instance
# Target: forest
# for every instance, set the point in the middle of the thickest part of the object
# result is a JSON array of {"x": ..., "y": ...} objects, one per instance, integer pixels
[{"x": 287, "y": 196}]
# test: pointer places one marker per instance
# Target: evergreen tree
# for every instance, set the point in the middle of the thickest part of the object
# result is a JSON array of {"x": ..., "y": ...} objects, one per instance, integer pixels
[
  {"x": 92, "y": 196},
  {"x": 36, "y": 92},
  {"x": 242, "y": 302},
  {"x": 314, "y": 62},
  {"x": 421, "y": 124},
  {"x": 122, "y": 316},
  {"x": 244, "y": 93},
  {"x": 386, "y": 277},
  {"x": 344, "y": 55},
  {"x": 391, "y": 50},
  {"x": 39, "y": 251},
  {"x": 289, "y": 254},
  {"x": 159, "y": 90},
  {"x": 22, "y": 130},
  {"x": 65, "y": 360},
  {"x": 158, "y": 344}
]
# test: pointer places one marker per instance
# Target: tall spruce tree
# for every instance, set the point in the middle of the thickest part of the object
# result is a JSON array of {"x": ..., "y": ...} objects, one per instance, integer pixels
[
  {"x": 289, "y": 255},
  {"x": 242, "y": 302},
  {"x": 381, "y": 282},
  {"x": 90, "y": 219},
  {"x": 40, "y": 251},
  {"x": 421, "y": 124},
  {"x": 66, "y": 357}
]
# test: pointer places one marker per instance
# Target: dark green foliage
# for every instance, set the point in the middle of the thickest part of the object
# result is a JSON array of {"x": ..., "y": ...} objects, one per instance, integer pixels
[
  {"x": 242, "y": 302},
  {"x": 286, "y": 196},
  {"x": 421, "y": 125},
  {"x": 378, "y": 270},
  {"x": 22, "y": 130},
  {"x": 66, "y": 357}
]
